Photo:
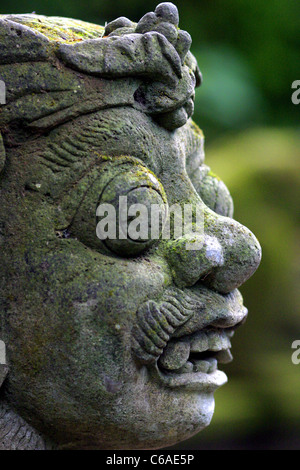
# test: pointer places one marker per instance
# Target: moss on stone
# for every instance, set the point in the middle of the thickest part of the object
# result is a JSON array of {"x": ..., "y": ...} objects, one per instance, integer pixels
[{"x": 62, "y": 30}]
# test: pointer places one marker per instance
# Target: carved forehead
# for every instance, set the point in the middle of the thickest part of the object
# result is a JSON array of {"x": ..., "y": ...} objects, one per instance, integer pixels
[{"x": 72, "y": 150}]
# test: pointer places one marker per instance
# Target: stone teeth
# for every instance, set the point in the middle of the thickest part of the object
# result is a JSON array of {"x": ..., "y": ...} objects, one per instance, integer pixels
[
  {"x": 218, "y": 340},
  {"x": 199, "y": 343},
  {"x": 206, "y": 366},
  {"x": 224, "y": 356},
  {"x": 229, "y": 333},
  {"x": 210, "y": 340},
  {"x": 175, "y": 355},
  {"x": 213, "y": 364},
  {"x": 188, "y": 367},
  {"x": 201, "y": 366}
]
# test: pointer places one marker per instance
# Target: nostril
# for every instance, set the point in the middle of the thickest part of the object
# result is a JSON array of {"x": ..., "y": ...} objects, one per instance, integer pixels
[{"x": 202, "y": 279}]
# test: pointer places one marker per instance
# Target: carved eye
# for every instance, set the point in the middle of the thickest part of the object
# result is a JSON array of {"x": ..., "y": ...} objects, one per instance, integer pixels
[
  {"x": 125, "y": 209},
  {"x": 213, "y": 192}
]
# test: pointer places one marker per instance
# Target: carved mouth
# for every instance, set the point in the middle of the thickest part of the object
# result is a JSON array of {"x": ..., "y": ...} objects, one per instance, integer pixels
[
  {"x": 199, "y": 352},
  {"x": 192, "y": 360},
  {"x": 184, "y": 336}
]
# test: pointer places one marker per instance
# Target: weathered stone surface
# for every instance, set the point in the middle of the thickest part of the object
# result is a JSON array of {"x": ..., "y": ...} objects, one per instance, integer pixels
[
  {"x": 21, "y": 43},
  {"x": 3, "y": 373},
  {"x": 2, "y": 154},
  {"x": 111, "y": 343},
  {"x": 16, "y": 434}
]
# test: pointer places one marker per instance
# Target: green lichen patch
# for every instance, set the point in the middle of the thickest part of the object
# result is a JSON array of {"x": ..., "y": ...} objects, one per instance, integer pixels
[{"x": 66, "y": 30}]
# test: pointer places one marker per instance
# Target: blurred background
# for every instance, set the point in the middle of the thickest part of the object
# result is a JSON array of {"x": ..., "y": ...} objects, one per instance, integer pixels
[{"x": 248, "y": 52}]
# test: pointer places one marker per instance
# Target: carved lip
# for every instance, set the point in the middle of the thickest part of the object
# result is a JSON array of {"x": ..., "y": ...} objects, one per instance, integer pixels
[{"x": 194, "y": 381}]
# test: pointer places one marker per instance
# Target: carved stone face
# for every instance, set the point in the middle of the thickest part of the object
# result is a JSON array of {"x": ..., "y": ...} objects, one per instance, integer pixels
[{"x": 116, "y": 344}]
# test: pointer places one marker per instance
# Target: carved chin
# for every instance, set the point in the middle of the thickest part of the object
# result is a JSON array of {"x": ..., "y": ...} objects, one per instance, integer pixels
[{"x": 182, "y": 416}]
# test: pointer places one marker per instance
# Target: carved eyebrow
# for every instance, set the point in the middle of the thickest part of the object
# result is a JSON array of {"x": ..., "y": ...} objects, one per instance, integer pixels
[
  {"x": 69, "y": 151},
  {"x": 90, "y": 143},
  {"x": 58, "y": 157}
]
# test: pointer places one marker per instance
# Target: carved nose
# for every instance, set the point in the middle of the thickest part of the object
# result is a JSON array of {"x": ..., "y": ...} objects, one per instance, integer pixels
[
  {"x": 241, "y": 250},
  {"x": 226, "y": 254}
]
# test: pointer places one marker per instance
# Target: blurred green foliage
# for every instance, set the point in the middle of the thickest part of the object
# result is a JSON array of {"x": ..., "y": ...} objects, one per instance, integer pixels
[
  {"x": 248, "y": 52},
  {"x": 262, "y": 169}
]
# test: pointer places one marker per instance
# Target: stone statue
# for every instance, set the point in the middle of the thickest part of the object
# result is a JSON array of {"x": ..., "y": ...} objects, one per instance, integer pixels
[{"x": 109, "y": 343}]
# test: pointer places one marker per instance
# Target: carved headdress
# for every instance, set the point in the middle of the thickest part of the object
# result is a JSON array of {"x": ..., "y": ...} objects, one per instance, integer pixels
[{"x": 65, "y": 69}]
